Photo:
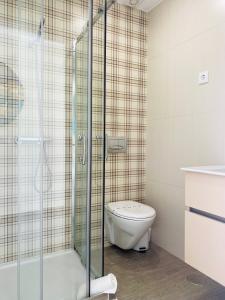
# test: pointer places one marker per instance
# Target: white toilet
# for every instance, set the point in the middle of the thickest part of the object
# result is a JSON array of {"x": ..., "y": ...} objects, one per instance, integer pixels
[{"x": 128, "y": 224}]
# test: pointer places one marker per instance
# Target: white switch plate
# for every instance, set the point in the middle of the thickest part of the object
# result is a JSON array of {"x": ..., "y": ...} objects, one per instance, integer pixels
[{"x": 203, "y": 77}]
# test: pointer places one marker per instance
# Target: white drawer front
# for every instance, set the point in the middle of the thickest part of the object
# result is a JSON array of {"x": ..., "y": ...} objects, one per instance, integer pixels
[
  {"x": 205, "y": 245},
  {"x": 206, "y": 193}
]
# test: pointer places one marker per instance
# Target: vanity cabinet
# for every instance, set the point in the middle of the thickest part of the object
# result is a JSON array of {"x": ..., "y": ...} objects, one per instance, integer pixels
[{"x": 205, "y": 220}]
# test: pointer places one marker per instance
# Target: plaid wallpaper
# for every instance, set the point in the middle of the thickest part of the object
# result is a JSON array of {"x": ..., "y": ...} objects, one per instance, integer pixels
[
  {"x": 126, "y": 102},
  {"x": 126, "y": 71},
  {"x": 125, "y": 111}
]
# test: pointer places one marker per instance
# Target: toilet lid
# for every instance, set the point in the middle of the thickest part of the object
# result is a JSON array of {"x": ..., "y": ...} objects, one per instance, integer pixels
[{"x": 131, "y": 210}]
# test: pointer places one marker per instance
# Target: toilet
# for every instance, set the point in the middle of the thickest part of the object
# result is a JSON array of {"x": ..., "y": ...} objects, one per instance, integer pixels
[{"x": 128, "y": 224}]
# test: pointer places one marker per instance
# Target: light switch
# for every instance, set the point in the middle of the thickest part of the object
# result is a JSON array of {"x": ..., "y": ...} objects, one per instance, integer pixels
[{"x": 203, "y": 77}]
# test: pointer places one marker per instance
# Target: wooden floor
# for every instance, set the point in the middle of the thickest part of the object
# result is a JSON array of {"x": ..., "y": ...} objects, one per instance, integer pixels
[{"x": 157, "y": 275}]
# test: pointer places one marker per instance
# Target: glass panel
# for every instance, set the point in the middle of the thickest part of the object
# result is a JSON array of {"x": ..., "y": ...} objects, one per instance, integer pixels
[
  {"x": 80, "y": 127},
  {"x": 11, "y": 99},
  {"x": 80, "y": 130},
  {"x": 98, "y": 141},
  {"x": 63, "y": 270},
  {"x": 30, "y": 151},
  {"x": 80, "y": 151}
]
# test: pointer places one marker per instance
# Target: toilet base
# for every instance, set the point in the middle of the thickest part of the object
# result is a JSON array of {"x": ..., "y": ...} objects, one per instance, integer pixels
[{"x": 143, "y": 244}]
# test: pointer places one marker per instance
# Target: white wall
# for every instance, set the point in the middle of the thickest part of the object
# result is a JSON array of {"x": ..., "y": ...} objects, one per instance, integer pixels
[{"x": 186, "y": 125}]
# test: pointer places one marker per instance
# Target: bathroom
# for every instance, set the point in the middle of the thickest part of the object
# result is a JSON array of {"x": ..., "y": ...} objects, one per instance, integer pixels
[{"x": 111, "y": 136}]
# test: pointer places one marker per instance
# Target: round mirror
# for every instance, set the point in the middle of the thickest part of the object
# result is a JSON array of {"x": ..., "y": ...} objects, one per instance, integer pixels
[{"x": 11, "y": 95}]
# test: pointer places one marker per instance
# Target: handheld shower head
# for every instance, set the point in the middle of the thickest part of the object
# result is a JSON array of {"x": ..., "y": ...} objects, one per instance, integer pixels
[{"x": 41, "y": 26}]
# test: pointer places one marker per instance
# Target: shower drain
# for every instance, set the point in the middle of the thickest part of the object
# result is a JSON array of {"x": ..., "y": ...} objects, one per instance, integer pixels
[{"x": 196, "y": 279}]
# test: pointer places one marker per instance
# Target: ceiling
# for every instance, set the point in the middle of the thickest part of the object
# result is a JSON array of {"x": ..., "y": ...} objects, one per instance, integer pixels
[{"x": 145, "y": 5}]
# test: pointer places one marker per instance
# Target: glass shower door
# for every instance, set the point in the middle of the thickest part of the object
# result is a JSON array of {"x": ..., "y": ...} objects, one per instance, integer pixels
[
  {"x": 31, "y": 179},
  {"x": 92, "y": 238},
  {"x": 98, "y": 137},
  {"x": 89, "y": 142},
  {"x": 80, "y": 135}
]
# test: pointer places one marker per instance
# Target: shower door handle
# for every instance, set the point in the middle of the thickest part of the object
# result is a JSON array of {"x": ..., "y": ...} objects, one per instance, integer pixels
[
  {"x": 106, "y": 146},
  {"x": 100, "y": 138},
  {"x": 84, "y": 150},
  {"x": 82, "y": 139}
]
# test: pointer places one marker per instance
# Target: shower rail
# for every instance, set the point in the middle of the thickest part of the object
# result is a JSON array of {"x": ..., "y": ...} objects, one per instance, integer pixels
[
  {"x": 23, "y": 140},
  {"x": 95, "y": 20}
]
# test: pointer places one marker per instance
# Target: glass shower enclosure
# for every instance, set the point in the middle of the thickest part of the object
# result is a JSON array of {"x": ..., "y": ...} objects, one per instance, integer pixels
[
  {"x": 52, "y": 172},
  {"x": 83, "y": 110}
]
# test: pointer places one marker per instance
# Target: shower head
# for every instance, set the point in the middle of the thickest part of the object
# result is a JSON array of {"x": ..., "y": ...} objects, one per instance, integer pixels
[
  {"x": 41, "y": 26},
  {"x": 37, "y": 39}
]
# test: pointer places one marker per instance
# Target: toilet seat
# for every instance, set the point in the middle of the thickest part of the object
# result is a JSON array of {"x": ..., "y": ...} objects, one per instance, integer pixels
[{"x": 131, "y": 210}]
